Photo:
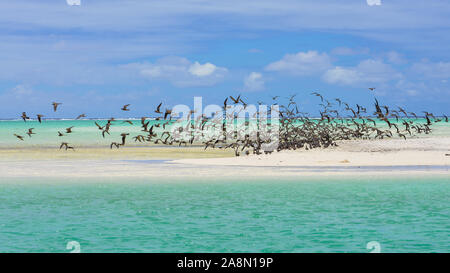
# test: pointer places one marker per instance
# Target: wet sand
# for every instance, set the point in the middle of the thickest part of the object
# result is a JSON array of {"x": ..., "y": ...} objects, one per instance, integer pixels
[{"x": 422, "y": 156}]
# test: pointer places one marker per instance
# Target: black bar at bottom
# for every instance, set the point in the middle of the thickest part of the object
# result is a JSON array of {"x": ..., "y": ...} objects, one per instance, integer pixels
[{"x": 226, "y": 262}]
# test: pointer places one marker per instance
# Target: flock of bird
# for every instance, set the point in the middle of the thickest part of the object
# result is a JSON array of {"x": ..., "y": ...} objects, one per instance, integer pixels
[{"x": 291, "y": 130}]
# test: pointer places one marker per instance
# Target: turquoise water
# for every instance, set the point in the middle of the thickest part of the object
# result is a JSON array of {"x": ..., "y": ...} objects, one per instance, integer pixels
[
  {"x": 86, "y": 133},
  {"x": 303, "y": 215}
]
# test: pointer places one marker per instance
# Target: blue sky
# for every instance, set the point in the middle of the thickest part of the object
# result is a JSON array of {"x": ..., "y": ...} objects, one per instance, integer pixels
[{"x": 102, "y": 54}]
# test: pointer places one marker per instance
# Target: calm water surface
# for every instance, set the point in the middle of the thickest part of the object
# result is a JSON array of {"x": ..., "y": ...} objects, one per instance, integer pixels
[
  {"x": 299, "y": 215},
  {"x": 86, "y": 133}
]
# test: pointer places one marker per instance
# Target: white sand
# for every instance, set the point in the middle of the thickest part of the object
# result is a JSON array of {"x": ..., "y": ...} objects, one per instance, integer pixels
[
  {"x": 374, "y": 158},
  {"x": 392, "y": 152}
]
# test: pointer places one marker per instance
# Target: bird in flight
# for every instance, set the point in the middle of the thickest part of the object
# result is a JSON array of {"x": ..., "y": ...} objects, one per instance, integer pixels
[
  {"x": 39, "y": 117},
  {"x": 69, "y": 130},
  {"x": 66, "y": 145},
  {"x": 114, "y": 144},
  {"x": 124, "y": 136},
  {"x": 371, "y": 88},
  {"x": 24, "y": 116},
  {"x": 158, "y": 110},
  {"x": 19, "y": 137},
  {"x": 167, "y": 113},
  {"x": 125, "y": 107},
  {"x": 235, "y": 100},
  {"x": 55, "y": 105},
  {"x": 81, "y": 116},
  {"x": 30, "y": 132}
]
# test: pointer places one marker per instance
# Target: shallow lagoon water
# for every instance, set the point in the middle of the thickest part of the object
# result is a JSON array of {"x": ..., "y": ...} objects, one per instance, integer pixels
[
  {"x": 287, "y": 215},
  {"x": 86, "y": 133}
]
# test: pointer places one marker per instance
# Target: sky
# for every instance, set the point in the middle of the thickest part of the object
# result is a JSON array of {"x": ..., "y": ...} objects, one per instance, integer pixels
[{"x": 96, "y": 55}]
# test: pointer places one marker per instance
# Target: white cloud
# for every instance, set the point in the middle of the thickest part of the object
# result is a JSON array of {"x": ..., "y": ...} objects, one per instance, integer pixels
[
  {"x": 202, "y": 70},
  {"x": 367, "y": 71},
  {"x": 22, "y": 90},
  {"x": 395, "y": 57},
  {"x": 429, "y": 69},
  {"x": 254, "y": 82},
  {"x": 180, "y": 72},
  {"x": 342, "y": 75},
  {"x": 374, "y": 2},
  {"x": 73, "y": 2},
  {"x": 302, "y": 63},
  {"x": 412, "y": 92}
]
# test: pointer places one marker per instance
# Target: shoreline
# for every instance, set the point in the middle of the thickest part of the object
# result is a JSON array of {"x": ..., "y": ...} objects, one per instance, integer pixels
[
  {"x": 122, "y": 169},
  {"x": 421, "y": 156}
]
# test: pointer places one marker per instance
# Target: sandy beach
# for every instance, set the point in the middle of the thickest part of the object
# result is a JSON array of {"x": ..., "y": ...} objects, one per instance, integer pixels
[
  {"x": 419, "y": 156},
  {"x": 392, "y": 152}
]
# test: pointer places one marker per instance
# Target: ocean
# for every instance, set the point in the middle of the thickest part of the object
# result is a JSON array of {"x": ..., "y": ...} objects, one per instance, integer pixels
[
  {"x": 85, "y": 132},
  {"x": 301, "y": 214},
  {"x": 286, "y": 215}
]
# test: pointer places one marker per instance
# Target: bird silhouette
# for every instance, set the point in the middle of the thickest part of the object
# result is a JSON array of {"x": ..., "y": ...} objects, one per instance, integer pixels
[{"x": 55, "y": 105}]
